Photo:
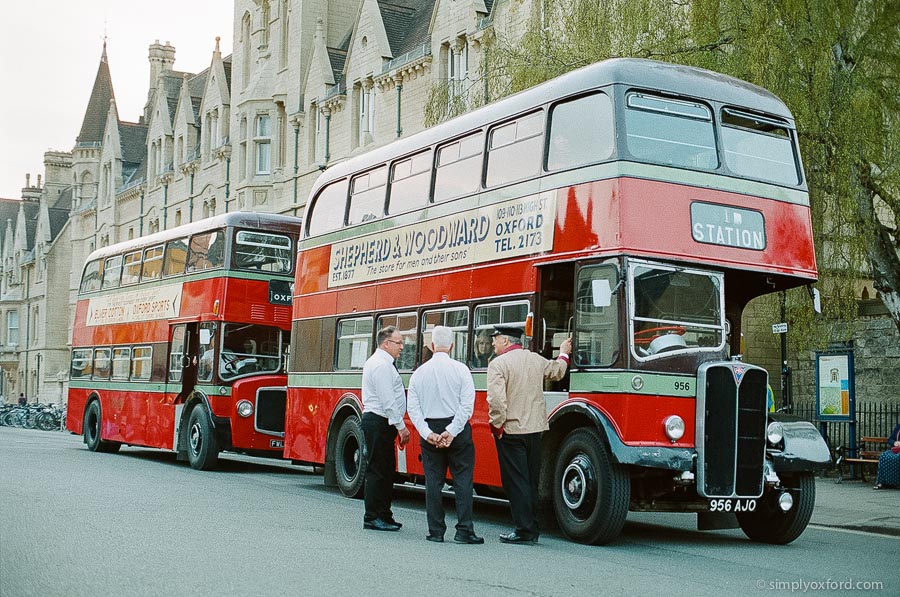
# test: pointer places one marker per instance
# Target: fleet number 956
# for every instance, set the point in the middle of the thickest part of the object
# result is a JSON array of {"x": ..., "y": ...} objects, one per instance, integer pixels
[{"x": 682, "y": 386}]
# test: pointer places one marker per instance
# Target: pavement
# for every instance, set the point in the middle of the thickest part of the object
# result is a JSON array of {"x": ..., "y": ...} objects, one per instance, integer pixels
[{"x": 854, "y": 505}]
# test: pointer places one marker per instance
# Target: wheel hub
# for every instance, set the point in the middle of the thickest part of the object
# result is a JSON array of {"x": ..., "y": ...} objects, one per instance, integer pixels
[
  {"x": 576, "y": 482},
  {"x": 196, "y": 438}
]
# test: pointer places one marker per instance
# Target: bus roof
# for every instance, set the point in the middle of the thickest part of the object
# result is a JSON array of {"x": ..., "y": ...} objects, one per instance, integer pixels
[
  {"x": 236, "y": 219},
  {"x": 637, "y": 72}
]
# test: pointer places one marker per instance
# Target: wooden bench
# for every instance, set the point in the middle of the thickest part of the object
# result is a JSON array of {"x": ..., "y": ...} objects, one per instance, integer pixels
[{"x": 868, "y": 451}]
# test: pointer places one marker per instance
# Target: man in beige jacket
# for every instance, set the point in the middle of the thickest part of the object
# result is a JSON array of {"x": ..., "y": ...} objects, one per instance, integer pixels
[{"x": 518, "y": 416}]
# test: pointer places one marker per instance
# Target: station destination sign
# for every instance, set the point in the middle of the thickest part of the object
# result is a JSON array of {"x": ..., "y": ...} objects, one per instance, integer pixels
[{"x": 728, "y": 226}]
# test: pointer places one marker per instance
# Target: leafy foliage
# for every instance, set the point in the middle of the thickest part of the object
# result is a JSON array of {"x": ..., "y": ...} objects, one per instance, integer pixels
[{"x": 835, "y": 64}]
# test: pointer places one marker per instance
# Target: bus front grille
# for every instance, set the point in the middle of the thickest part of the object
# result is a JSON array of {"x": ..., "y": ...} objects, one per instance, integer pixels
[
  {"x": 270, "y": 405},
  {"x": 731, "y": 429}
]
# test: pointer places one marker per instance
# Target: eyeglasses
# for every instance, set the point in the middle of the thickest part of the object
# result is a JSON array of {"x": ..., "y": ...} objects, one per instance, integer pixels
[{"x": 400, "y": 342}]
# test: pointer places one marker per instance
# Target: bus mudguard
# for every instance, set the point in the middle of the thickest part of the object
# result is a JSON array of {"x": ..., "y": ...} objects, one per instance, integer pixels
[
  {"x": 678, "y": 459},
  {"x": 801, "y": 448}
]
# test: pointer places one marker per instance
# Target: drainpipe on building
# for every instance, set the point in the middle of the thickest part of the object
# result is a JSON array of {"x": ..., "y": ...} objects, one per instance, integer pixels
[
  {"x": 165, "y": 205},
  {"x": 28, "y": 323},
  {"x": 296, "y": 124},
  {"x": 327, "y": 113},
  {"x": 191, "y": 197},
  {"x": 141, "y": 216},
  {"x": 398, "y": 79}
]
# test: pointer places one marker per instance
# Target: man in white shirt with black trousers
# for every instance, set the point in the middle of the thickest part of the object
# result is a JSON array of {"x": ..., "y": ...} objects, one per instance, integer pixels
[
  {"x": 440, "y": 401},
  {"x": 384, "y": 404}
]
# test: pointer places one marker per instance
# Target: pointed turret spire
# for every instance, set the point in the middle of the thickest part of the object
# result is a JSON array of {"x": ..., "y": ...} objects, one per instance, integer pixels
[{"x": 94, "y": 123}]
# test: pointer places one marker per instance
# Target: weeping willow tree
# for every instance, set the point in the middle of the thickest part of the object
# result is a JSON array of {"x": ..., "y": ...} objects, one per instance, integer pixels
[{"x": 835, "y": 64}]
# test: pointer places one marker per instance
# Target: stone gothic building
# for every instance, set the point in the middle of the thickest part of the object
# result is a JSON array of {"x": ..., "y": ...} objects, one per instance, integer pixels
[{"x": 308, "y": 84}]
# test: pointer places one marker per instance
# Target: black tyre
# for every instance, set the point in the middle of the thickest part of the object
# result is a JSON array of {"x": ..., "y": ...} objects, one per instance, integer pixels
[
  {"x": 91, "y": 430},
  {"x": 349, "y": 461},
  {"x": 203, "y": 449},
  {"x": 590, "y": 491},
  {"x": 769, "y": 524}
]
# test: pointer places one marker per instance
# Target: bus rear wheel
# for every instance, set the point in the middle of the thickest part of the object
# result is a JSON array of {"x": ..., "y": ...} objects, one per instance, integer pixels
[
  {"x": 590, "y": 491},
  {"x": 350, "y": 468},
  {"x": 768, "y": 524},
  {"x": 203, "y": 450},
  {"x": 91, "y": 430}
]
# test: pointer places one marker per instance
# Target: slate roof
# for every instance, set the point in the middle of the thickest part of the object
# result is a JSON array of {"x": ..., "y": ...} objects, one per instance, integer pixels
[
  {"x": 406, "y": 23},
  {"x": 94, "y": 123}
]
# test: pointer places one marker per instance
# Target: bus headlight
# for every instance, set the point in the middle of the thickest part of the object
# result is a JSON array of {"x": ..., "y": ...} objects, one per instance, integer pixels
[
  {"x": 774, "y": 433},
  {"x": 674, "y": 427},
  {"x": 245, "y": 408}
]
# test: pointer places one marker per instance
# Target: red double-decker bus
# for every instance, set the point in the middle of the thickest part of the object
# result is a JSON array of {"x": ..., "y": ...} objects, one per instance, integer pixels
[
  {"x": 636, "y": 205},
  {"x": 180, "y": 337}
]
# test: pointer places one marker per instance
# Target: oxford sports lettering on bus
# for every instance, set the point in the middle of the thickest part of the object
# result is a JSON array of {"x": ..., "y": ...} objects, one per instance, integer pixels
[
  {"x": 728, "y": 226},
  {"x": 513, "y": 228},
  {"x": 145, "y": 304}
]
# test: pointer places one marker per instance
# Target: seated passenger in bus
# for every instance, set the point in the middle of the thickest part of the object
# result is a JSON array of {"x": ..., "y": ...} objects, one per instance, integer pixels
[{"x": 482, "y": 350}]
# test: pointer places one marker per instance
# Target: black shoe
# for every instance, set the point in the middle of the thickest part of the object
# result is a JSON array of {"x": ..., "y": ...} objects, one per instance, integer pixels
[
  {"x": 394, "y": 522},
  {"x": 380, "y": 525},
  {"x": 515, "y": 537},
  {"x": 468, "y": 539},
  {"x": 435, "y": 538}
]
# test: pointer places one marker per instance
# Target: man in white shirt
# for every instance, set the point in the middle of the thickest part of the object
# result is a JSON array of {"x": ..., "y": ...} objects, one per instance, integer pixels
[
  {"x": 441, "y": 399},
  {"x": 384, "y": 404}
]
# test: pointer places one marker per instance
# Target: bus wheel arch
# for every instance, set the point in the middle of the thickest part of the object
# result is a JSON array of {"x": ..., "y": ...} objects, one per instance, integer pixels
[
  {"x": 92, "y": 424},
  {"x": 345, "y": 461},
  {"x": 591, "y": 491}
]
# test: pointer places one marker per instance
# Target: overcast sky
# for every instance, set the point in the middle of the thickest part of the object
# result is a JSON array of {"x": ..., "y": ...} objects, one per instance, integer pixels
[{"x": 49, "y": 54}]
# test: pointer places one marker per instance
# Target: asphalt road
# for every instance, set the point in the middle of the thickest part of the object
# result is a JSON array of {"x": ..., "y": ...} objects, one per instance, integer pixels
[{"x": 139, "y": 523}]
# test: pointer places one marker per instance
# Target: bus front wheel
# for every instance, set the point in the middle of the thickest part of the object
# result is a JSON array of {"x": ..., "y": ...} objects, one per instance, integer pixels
[
  {"x": 348, "y": 463},
  {"x": 590, "y": 491},
  {"x": 203, "y": 451},
  {"x": 768, "y": 524},
  {"x": 91, "y": 429}
]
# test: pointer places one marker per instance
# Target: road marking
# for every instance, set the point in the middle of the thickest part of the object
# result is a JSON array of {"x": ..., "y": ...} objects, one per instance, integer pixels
[{"x": 853, "y": 531}]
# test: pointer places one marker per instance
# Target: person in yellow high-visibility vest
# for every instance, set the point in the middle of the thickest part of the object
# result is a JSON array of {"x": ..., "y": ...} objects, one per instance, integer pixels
[{"x": 770, "y": 399}]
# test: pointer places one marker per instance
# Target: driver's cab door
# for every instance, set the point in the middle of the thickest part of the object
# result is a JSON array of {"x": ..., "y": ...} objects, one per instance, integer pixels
[
  {"x": 554, "y": 315},
  {"x": 181, "y": 375}
]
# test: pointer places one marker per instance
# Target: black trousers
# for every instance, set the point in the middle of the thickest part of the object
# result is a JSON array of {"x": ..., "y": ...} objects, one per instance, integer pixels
[
  {"x": 460, "y": 459},
  {"x": 381, "y": 462},
  {"x": 520, "y": 472}
]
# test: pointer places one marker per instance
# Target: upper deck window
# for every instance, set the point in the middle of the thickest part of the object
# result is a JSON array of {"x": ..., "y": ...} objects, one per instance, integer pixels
[
  {"x": 581, "y": 132},
  {"x": 410, "y": 183},
  {"x": 367, "y": 196},
  {"x": 759, "y": 147},
  {"x": 176, "y": 257},
  {"x": 263, "y": 252},
  {"x": 207, "y": 251},
  {"x": 153, "y": 258},
  {"x": 669, "y": 131},
  {"x": 131, "y": 270},
  {"x": 112, "y": 273},
  {"x": 516, "y": 150},
  {"x": 93, "y": 275},
  {"x": 327, "y": 213},
  {"x": 458, "y": 170}
]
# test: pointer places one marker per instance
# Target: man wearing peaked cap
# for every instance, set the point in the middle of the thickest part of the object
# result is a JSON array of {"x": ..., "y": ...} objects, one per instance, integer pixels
[{"x": 518, "y": 416}]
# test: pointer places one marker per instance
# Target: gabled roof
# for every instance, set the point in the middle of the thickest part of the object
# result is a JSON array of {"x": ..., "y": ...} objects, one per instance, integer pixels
[
  {"x": 226, "y": 64},
  {"x": 133, "y": 141},
  {"x": 406, "y": 23},
  {"x": 94, "y": 123}
]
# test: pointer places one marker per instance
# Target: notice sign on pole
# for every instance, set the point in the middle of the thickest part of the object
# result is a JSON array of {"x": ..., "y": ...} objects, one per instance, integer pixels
[{"x": 779, "y": 328}]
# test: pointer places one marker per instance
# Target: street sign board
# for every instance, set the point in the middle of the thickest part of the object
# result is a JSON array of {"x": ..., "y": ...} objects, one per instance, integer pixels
[{"x": 779, "y": 328}]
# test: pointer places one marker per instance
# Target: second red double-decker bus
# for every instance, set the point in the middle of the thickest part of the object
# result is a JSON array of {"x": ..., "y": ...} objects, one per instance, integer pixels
[
  {"x": 636, "y": 205},
  {"x": 180, "y": 336}
]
